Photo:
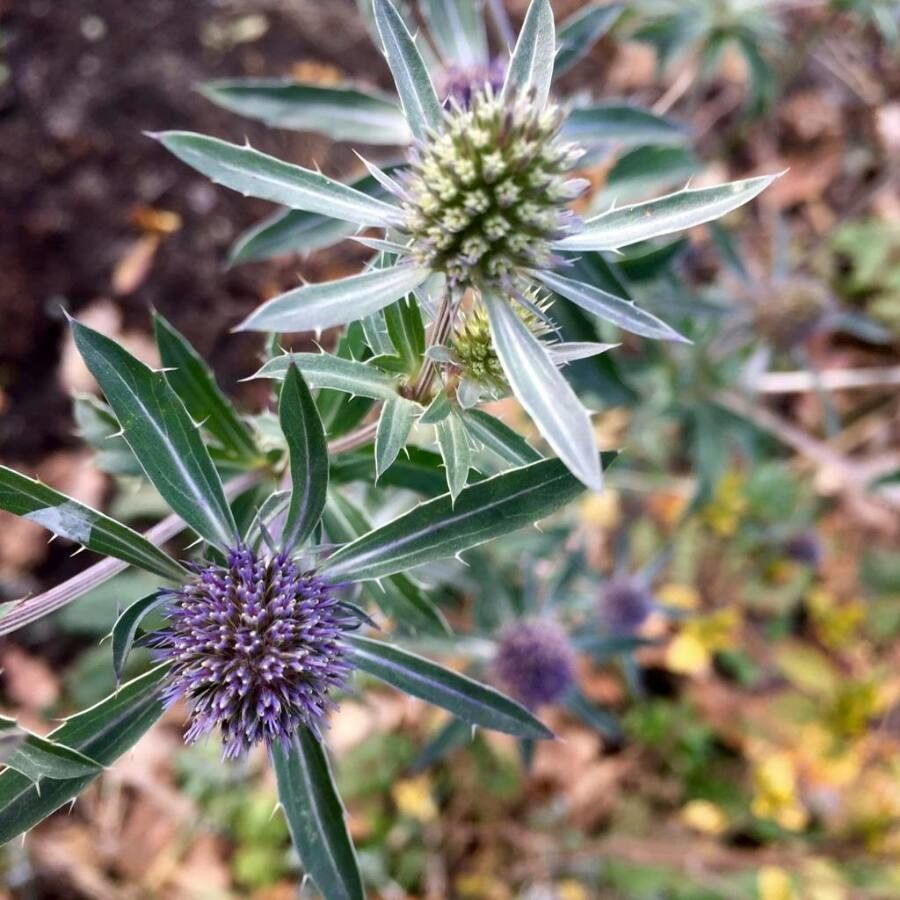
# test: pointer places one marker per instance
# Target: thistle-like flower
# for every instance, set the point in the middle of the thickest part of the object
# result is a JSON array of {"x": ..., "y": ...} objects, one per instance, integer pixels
[
  {"x": 806, "y": 548},
  {"x": 463, "y": 83},
  {"x": 256, "y": 649},
  {"x": 483, "y": 204},
  {"x": 625, "y": 604},
  {"x": 535, "y": 662},
  {"x": 487, "y": 194}
]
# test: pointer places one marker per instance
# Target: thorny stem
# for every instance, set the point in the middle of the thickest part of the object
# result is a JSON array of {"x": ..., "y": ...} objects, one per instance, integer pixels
[{"x": 33, "y": 608}]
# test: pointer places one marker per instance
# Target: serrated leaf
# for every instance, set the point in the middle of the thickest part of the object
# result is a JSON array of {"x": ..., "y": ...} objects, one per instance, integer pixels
[
  {"x": 126, "y": 627},
  {"x": 74, "y": 521},
  {"x": 161, "y": 435},
  {"x": 256, "y": 174},
  {"x": 466, "y": 698},
  {"x": 581, "y": 31},
  {"x": 543, "y": 392},
  {"x": 394, "y": 425},
  {"x": 665, "y": 215},
  {"x": 499, "y": 438},
  {"x": 102, "y": 733},
  {"x": 37, "y": 758},
  {"x": 308, "y": 452},
  {"x": 195, "y": 384},
  {"x": 622, "y": 124},
  {"x": 417, "y": 95},
  {"x": 297, "y": 231},
  {"x": 317, "y": 306},
  {"x": 622, "y": 313},
  {"x": 324, "y": 370},
  {"x": 341, "y": 112},
  {"x": 315, "y": 816},
  {"x": 397, "y": 596},
  {"x": 439, "y": 528},
  {"x": 454, "y": 446},
  {"x": 531, "y": 65},
  {"x": 457, "y": 27},
  {"x": 98, "y": 427}
]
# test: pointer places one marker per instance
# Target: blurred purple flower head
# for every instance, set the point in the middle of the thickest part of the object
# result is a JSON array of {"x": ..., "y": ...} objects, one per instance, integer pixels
[
  {"x": 625, "y": 604},
  {"x": 805, "y": 548},
  {"x": 255, "y": 647},
  {"x": 535, "y": 662},
  {"x": 462, "y": 83}
]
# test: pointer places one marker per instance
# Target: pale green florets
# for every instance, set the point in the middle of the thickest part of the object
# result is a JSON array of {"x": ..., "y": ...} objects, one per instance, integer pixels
[
  {"x": 473, "y": 348},
  {"x": 488, "y": 195}
]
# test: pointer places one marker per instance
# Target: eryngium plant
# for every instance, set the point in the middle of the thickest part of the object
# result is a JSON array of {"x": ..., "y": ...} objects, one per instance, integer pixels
[
  {"x": 480, "y": 213},
  {"x": 263, "y": 625}
]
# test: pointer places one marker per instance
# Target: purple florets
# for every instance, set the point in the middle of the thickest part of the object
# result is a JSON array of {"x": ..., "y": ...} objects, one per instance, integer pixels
[
  {"x": 805, "y": 548},
  {"x": 625, "y": 605},
  {"x": 255, "y": 646},
  {"x": 535, "y": 662},
  {"x": 462, "y": 83}
]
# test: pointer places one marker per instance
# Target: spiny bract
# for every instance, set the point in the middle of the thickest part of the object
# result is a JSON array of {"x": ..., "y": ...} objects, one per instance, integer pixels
[
  {"x": 255, "y": 648},
  {"x": 488, "y": 194}
]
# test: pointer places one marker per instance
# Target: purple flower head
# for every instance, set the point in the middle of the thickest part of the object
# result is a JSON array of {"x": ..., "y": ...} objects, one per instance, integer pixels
[
  {"x": 625, "y": 604},
  {"x": 805, "y": 548},
  {"x": 535, "y": 662},
  {"x": 462, "y": 83},
  {"x": 255, "y": 647}
]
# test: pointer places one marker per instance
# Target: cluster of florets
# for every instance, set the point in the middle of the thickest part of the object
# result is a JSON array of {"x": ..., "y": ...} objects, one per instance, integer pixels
[
  {"x": 255, "y": 648},
  {"x": 535, "y": 662},
  {"x": 625, "y": 604},
  {"x": 463, "y": 83},
  {"x": 792, "y": 312},
  {"x": 473, "y": 349},
  {"x": 488, "y": 194},
  {"x": 805, "y": 548}
]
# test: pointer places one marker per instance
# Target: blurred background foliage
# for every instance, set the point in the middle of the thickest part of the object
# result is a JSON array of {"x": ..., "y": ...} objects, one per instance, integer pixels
[{"x": 734, "y": 732}]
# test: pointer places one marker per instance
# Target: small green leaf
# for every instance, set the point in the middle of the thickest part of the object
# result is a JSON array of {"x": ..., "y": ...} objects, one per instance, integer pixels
[
  {"x": 439, "y": 528},
  {"x": 195, "y": 384},
  {"x": 102, "y": 734},
  {"x": 36, "y": 757},
  {"x": 420, "y": 103},
  {"x": 316, "y": 818},
  {"x": 437, "y": 410},
  {"x": 543, "y": 392},
  {"x": 622, "y": 313},
  {"x": 256, "y": 174},
  {"x": 305, "y": 437},
  {"x": 454, "y": 446},
  {"x": 405, "y": 329},
  {"x": 161, "y": 434},
  {"x": 581, "y": 31},
  {"x": 72, "y": 520},
  {"x": 466, "y": 698},
  {"x": 457, "y": 27},
  {"x": 665, "y": 215},
  {"x": 341, "y": 112},
  {"x": 317, "y": 306},
  {"x": 417, "y": 470},
  {"x": 499, "y": 438},
  {"x": 394, "y": 425},
  {"x": 593, "y": 716},
  {"x": 531, "y": 66},
  {"x": 323, "y": 370},
  {"x": 126, "y": 627},
  {"x": 98, "y": 427}
]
